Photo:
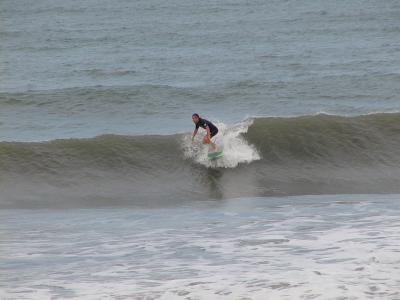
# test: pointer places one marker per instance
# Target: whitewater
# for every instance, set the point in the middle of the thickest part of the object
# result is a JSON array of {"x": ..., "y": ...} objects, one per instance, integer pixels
[{"x": 304, "y": 247}]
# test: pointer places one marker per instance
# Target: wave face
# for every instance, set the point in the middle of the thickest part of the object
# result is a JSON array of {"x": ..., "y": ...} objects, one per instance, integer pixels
[{"x": 321, "y": 154}]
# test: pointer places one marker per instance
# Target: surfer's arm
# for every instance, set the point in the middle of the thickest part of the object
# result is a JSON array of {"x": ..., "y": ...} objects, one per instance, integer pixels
[{"x": 194, "y": 133}]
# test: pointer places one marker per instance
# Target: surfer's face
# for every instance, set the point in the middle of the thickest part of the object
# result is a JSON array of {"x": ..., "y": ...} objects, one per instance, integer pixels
[{"x": 195, "y": 119}]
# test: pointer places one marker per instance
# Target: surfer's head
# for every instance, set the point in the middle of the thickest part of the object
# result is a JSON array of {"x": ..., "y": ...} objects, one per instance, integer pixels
[{"x": 195, "y": 118}]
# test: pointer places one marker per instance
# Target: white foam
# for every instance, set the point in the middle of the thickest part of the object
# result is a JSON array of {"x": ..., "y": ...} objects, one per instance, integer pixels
[
  {"x": 229, "y": 139},
  {"x": 310, "y": 247}
]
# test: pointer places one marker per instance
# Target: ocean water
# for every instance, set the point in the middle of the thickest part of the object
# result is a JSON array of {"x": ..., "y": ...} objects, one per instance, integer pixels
[
  {"x": 103, "y": 196},
  {"x": 304, "y": 247},
  {"x": 85, "y": 68}
]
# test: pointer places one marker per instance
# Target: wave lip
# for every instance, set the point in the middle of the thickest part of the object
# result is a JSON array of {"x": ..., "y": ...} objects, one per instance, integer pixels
[{"x": 319, "y": 154}]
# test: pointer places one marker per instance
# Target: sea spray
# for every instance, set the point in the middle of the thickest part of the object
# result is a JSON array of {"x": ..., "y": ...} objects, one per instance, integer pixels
[{"x": 230, "y": 140}]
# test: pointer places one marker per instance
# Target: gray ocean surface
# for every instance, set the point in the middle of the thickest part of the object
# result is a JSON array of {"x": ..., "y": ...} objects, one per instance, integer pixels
[
  {"x": 85, "y": 68},
  {"x": 103, "y": 196}
]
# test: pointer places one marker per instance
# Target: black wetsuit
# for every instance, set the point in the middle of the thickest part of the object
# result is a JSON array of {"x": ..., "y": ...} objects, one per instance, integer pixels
[{"x": 203, "y": 123}]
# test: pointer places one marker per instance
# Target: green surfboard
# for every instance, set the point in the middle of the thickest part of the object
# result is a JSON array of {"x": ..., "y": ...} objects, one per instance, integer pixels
[{"x": 215, "y": 155}]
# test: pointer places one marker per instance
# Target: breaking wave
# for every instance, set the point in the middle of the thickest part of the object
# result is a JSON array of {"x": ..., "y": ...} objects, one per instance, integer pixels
[{"x": 320, "y": 154}]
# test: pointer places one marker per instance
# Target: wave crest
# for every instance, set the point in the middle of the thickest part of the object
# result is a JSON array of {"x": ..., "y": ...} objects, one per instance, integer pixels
[{"x": 321, "y": 154}]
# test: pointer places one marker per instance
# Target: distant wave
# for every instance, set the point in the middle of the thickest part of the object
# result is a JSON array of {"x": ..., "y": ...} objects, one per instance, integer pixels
[
  {"x": 108, "y": 73},
  {"x": 68, "y": 98},
  {"x": 320, "y": 154}
]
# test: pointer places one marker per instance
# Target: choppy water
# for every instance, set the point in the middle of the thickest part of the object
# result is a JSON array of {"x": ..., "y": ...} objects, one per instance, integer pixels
[
  {"x": 309, "y": 247},
  {"x": 85, "y": 68},
  {"x": 95, "y": 104}
]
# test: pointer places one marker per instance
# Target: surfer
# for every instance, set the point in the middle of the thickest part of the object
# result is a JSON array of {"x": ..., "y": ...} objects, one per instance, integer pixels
[{"x": 211, "y": 129}]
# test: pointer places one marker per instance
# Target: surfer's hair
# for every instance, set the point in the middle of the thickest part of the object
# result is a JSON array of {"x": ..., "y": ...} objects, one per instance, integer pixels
[{"x": 196, "y": 115}]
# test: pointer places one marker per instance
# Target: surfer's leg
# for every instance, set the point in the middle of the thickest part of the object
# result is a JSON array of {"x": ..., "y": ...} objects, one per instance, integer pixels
[
  {"x": 206, "y": 140},
  {"x": 213, "y": 146}
]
